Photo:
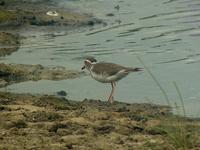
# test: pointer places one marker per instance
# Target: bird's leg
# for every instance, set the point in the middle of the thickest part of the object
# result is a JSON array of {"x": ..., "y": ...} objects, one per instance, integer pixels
[
  {"x": 114, "y": 85},
  {"x": 111, "y": 98}
]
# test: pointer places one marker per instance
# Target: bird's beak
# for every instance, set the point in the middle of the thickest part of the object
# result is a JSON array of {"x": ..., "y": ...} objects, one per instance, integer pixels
[{"x": 83, "y": 67}]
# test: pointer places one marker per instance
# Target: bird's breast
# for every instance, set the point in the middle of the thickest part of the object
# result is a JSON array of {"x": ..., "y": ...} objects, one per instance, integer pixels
[{"x": 100, "y": 77}]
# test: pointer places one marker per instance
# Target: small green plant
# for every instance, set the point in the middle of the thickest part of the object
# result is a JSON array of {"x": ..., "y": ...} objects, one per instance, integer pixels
[{"x": 179, "y": 134}]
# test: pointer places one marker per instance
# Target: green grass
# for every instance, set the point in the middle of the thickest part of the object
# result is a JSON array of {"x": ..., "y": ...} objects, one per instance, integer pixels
[{"x": 180, "y": 134}]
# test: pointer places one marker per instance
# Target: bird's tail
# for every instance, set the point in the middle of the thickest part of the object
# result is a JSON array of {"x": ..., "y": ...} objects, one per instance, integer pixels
[{"x": 134, "y": 69}]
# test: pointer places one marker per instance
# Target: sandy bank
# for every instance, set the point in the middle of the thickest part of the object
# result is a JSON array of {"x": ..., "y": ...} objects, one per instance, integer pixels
[{"x": 49, "y": 122}]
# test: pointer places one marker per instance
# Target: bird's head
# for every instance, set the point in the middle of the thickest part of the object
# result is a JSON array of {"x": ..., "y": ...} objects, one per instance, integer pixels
[{"x": 88, "y": 63}]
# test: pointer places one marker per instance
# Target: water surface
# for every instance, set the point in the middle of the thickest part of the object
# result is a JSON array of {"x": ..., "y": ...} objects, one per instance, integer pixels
[{"x": 165, "y": 34}]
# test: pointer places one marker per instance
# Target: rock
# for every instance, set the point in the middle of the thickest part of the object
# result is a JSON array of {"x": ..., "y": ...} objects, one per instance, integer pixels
[
  {"x": 52, "y": 13},
  {"x": 110, "y": 14},
  {"x": 61, "y": 93}
]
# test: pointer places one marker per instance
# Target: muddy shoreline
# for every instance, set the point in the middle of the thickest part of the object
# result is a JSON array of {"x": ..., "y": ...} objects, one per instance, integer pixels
[
  {"x": 48, "y": 122},
  {"x": 15, "y": 73},
  {"x": 20, "y": 19},
  {"x": 19, "y": 13}
]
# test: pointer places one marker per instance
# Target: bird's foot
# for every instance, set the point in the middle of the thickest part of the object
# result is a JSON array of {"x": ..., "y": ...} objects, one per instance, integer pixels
[{"x": 111, "y": 99}]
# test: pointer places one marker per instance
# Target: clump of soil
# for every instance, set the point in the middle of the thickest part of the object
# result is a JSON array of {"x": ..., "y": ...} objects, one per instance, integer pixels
[
  {"x": 9, "y": 43},
  {"x": 13, "y": 73},
  {"x": 49, "y": 122}
]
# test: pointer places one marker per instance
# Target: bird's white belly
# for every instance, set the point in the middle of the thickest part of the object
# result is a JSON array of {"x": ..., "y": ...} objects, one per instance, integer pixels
[
  {"x": 101, "y": 78},
  {"x": 106, "y": 78}
]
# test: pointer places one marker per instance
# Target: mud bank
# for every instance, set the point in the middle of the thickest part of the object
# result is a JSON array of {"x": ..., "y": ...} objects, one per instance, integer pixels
[
  {"x": 21, "y": 19},
  {"x": 49, "y": 122},
  {"x": 19, "y": 13},
  {"x": 14, "y": 73},
  {"x": 9, "y": 43}
]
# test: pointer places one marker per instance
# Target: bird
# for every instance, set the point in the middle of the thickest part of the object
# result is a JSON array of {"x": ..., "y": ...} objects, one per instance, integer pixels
[{"x": 107, "y": 72}]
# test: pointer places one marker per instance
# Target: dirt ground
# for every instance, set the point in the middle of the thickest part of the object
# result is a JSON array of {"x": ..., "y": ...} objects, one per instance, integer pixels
[{"x": 49, "y": 122}]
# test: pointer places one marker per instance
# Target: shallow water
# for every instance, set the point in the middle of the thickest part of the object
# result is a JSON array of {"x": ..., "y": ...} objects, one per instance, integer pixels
[{"x": 165, "y": 34}]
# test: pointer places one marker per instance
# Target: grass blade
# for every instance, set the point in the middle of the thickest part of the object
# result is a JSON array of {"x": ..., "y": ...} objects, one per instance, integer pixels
[
  {"x": 156, "y": 81},
  {"x": 181, "y": 98}
]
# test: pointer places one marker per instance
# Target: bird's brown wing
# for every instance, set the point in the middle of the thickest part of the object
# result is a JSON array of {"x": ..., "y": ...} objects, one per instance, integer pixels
[{"x": 107, "y": 68}]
